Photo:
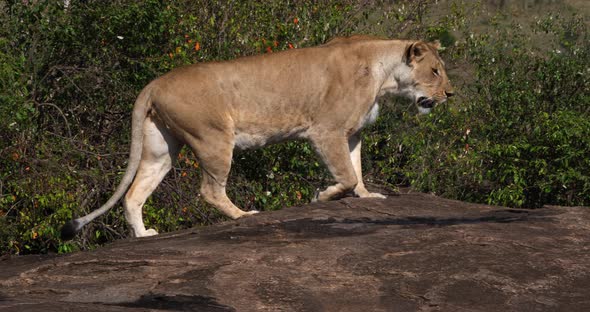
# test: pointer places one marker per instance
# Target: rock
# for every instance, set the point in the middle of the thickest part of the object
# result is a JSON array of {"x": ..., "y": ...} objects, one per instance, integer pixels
[{"x": 413, "y": 252}]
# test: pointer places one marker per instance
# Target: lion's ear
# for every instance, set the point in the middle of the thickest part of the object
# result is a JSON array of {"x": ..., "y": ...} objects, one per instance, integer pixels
[
  {"x": 415, "y": 52},
  {"x": 436, "y": 44}
]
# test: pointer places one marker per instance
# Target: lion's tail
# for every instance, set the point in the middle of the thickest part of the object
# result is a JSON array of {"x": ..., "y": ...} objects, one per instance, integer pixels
[{"x": 140, "y": 111}]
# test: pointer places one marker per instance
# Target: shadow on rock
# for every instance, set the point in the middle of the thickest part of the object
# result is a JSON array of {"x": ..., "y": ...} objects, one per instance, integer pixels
[
  {"x": 332, "y": 227},
  {"x": 178, "y": 303}
]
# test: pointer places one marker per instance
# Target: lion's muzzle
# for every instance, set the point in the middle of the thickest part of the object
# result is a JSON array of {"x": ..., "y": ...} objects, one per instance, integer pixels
[{"x": 425, "y": 102}]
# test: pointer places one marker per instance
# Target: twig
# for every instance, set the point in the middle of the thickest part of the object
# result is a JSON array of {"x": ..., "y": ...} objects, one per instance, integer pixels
[
  {"x": 184, "y": 197},
  {"x": 74, "y": 84},
  {"x": 222, "y": 33},
  {"x": 60, "y": 112},
  {"x": 74, "y": 142},
  {"x": 87, "y": 198}
]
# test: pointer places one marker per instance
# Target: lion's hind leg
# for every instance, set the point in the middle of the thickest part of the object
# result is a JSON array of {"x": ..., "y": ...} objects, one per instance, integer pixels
[
  {"x": 215, "y": 156},
  {"x": 159, "y": 151}
]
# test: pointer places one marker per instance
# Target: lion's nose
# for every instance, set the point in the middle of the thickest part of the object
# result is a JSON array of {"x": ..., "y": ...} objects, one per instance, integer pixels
[{"x": 449, "y": 93}]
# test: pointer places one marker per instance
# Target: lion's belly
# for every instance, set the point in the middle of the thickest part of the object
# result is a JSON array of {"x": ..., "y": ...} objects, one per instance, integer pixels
[
  {"x": 258, "y": 138},
  {"x": 371, "y": 117}
]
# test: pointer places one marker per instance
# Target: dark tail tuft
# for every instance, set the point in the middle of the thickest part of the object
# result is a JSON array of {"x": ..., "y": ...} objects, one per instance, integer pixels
[{"x": 69, "y": 230}]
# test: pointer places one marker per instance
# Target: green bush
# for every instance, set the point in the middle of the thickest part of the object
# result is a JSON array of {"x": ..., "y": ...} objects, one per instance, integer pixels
[{"x": 518, "y": 135}]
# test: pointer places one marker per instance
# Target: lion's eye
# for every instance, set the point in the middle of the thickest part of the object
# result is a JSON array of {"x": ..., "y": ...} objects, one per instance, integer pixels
[{"x": 435, "y": 72}]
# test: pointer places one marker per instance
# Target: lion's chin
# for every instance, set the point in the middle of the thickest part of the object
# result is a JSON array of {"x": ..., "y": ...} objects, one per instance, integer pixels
[{"x": 424, "y": 110}]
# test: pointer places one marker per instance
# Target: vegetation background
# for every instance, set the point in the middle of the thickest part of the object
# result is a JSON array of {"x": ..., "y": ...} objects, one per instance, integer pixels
[{"x": 517, "y": 134}]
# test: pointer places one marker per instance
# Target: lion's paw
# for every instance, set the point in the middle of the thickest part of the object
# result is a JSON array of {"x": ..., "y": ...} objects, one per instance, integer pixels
[
  {"x": 150, "y": 232},
  {"x": 363, "y": 193},
  {"x": 245, "y": 214},
  {"x": 376, "y": 195}
]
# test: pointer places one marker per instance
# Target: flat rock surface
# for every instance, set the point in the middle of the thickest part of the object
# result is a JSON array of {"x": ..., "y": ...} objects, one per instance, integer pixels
[{"x": 413, "y": 252}]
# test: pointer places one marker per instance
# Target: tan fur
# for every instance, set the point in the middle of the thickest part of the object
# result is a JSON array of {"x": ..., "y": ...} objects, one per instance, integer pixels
[{"x": 324, "y": 94}]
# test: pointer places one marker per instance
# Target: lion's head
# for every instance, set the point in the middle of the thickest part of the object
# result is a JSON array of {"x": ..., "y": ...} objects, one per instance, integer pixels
[{"x": 431, "y": 86}]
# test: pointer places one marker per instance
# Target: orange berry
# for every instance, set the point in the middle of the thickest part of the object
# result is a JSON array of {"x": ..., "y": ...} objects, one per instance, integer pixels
[
  {"x": 268, "y": 49},
  {"x": 197, "y": 46},
  {"x": 296, "y": 21},
  {"x": 291, "y": 46}
]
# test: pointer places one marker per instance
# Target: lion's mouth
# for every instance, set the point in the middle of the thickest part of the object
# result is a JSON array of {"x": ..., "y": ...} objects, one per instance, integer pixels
[{"x": 425, "y": 102}]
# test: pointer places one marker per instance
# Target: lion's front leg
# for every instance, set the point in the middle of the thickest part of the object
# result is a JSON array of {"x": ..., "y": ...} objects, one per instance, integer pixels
[
  {"x": 334, "y": 152},
  {"x": 354, "y": 146}
]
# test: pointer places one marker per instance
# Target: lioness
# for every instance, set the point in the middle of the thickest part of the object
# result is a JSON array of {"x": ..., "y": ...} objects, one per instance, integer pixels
[{"x": 325, "y": 94}]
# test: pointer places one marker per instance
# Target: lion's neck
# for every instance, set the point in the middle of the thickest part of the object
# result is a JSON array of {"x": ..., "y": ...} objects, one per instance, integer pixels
[{"x": 395, "y": 74}]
